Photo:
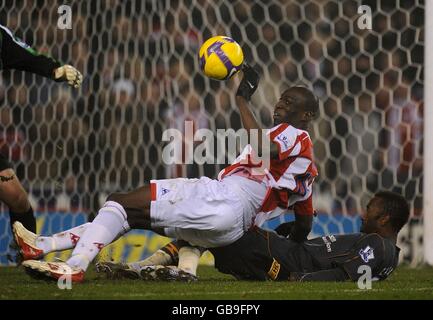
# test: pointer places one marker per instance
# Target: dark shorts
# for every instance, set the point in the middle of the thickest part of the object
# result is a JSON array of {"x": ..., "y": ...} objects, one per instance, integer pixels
[
  {"x": 258, "y": 255},
  {"x": 4, "y": 163}
]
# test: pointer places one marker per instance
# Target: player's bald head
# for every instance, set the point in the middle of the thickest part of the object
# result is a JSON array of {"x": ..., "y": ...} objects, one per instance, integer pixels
[
  {"x": 304, "y": 99},
  {"x": 297, "y": 106}
]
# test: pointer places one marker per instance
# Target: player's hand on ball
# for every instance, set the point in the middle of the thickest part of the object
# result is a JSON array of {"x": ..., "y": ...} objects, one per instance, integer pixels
[
  {"x": 249, "y": 82},
  {"x": 70, "y": 74}
]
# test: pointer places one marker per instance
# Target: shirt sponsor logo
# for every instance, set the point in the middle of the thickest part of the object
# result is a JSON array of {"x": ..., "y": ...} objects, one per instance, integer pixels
[
  {"x": 366, "y": 254},
  {"x": 284, "y": 140},
  {"x": 328, "y": 240}
]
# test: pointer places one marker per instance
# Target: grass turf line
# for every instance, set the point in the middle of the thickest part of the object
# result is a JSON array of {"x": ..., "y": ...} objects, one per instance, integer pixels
[{"x": 404, "y": 283}]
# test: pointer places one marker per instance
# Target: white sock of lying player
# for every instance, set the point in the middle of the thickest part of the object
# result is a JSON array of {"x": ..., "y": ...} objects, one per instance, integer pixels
[
  {"x": 108, "y": 225},
  {"x": 188, "y": 259},
  {"x": 160, "y": 258},
  {"x": 165, "y": 256},
  {"x": 61, "y": 241}
]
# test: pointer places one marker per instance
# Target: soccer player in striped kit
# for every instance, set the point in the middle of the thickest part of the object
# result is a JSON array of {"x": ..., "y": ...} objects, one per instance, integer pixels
[{"x": 204, "y": 212}]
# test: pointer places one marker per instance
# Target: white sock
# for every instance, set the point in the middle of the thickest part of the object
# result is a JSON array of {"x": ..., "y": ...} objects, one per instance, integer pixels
[
  {"x": 62, "y": 240},
  {"x": 107, "y": 226},
  {"x": 158, "y": 258},
  {"x": 188, "y": 259}
]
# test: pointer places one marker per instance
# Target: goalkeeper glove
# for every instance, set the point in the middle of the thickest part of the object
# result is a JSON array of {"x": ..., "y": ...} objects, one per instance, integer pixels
[
  {"x": 70, "y": 74},
  {"x": 249, "y": 82}
]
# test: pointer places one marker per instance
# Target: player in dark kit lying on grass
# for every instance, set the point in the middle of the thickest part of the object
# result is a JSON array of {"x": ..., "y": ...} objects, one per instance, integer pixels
[{"x": 266, "y": 255}]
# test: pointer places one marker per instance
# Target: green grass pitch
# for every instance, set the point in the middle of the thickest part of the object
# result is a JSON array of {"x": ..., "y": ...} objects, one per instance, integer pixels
[{"x": 404, "y": 283}]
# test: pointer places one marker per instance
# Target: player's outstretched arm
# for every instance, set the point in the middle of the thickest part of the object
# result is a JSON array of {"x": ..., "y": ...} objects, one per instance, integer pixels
[
  {"x": 16, "y": 54},
  {"x": 246, "y": 89}
]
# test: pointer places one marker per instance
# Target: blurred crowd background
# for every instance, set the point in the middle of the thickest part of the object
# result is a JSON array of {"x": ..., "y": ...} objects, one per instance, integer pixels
[{"x": 139, "y": 58}]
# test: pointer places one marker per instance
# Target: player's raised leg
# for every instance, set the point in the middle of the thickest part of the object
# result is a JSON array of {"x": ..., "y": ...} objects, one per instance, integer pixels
[
  {"x": 202, "y": 211},
  {"x": 15, "y": 197},
  {"x": 111, "y": 222},
  {"x": 121, "y": 212},
  {"x": 33, "y": 246}
]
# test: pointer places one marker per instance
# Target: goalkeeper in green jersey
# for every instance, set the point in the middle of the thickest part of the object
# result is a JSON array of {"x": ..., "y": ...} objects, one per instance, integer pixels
[{"x": 15, "y": 54}]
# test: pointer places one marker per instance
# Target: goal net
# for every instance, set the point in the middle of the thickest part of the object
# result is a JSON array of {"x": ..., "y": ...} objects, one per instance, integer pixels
[{"x": 72, "y": 148}]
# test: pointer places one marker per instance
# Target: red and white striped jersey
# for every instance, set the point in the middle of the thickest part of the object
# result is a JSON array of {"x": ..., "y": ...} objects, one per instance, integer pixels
[{"x": 289, "y": 178}]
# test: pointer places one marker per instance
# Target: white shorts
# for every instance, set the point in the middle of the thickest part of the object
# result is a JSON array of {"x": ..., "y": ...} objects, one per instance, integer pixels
[{"x": 205, "y": 212}]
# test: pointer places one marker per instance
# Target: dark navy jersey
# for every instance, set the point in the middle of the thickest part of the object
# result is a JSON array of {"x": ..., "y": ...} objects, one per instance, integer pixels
[
  {"x": 15, "y": 54},
  {"x": 263, "y": 255}
]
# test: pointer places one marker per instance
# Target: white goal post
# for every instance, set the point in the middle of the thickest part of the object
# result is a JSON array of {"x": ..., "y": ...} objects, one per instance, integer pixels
[{"x": 428, "y": 135}]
